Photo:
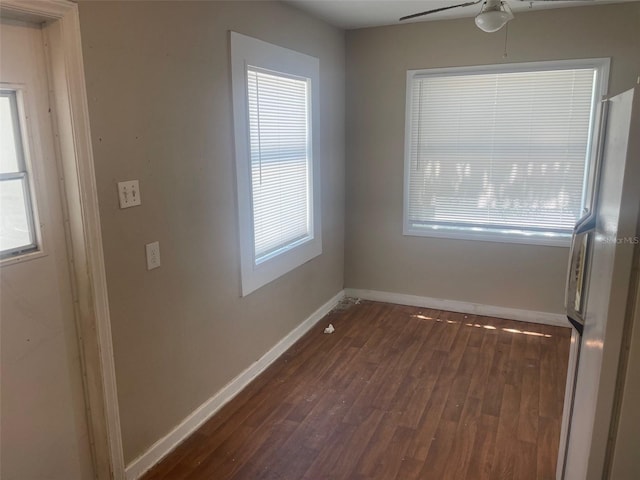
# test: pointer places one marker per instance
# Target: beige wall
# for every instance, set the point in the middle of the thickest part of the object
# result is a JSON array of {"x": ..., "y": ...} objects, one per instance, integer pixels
[
  {"x": 159, "y": 93},
  {"x": 378, "y": 256}
]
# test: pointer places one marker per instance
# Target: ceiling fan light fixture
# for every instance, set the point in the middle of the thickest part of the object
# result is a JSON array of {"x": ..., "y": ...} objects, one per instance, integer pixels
[{"x": 494, "y": 16}]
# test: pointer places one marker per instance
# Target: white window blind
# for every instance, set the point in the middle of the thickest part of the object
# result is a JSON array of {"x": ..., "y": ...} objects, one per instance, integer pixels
[
  {"x": 280, "y": 160},
  {"x": 498, "y": 151}
]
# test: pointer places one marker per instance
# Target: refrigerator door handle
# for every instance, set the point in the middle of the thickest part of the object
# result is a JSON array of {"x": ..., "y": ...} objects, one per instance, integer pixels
[{"x": 599, "y": 154}]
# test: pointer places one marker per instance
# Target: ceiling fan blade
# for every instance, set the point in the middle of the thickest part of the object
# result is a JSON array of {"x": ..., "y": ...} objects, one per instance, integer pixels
[{"x": 467, "y": 4}]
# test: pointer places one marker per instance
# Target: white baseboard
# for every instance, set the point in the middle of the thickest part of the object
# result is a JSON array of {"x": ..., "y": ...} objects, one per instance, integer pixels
[
  {"x": 190, "y": 424},
  {"x": 545, "y": 318}
]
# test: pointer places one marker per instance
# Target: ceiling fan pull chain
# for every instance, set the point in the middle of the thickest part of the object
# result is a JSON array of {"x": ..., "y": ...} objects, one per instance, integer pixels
[{"x": 506, "y": 35}]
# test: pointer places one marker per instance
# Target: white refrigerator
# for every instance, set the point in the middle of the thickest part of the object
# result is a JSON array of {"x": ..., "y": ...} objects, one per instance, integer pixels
[{"x": 599, "y": 303}]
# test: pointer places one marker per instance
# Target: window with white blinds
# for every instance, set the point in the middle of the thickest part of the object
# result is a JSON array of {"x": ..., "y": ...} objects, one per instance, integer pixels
[
  {"x": 275, "y": 112},
  {"x": 499, "y": 152},
  {"x": 280, "y": 157},
  {"x": 18, "y": 233}
]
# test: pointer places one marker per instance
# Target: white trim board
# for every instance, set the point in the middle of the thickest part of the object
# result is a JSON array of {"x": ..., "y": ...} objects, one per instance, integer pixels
[
  {"x": 546, "y": 318},
  {"x": 205, "y": 411}
]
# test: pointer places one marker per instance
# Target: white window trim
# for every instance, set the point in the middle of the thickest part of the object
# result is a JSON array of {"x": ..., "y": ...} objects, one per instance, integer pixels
[
  {"x": 509, "y": 235},
  {"x": 256, "y": 53}
]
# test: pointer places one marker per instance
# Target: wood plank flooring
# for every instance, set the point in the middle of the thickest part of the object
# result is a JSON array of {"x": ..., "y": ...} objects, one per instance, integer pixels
[{"x": 396, "y": 392}]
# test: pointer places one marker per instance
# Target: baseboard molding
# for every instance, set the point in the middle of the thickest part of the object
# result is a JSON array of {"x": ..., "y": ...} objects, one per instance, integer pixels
[
  {"x": 190, "y": 424},
  {"x": 545, "y": 318}
]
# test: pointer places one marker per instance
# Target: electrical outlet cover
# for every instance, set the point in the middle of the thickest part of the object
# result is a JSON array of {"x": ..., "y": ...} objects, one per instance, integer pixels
[{"x": 153, "y": 255}]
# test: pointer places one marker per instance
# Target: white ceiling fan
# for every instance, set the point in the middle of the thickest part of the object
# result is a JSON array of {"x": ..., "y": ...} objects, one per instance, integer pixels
[{"x": 494, "y": 14}]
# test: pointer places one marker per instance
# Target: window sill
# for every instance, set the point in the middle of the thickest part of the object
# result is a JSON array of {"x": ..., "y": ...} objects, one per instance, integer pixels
[
  {"x": 24, "y": 257},
  {"x": 505, "y": 236},
  {"x": 256, "y": 276}
]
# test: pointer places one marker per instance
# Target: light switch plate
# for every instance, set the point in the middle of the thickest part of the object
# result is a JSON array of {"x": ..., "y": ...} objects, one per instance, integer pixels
[
  {"x": 129, "y": 193},
  {"x": 153, "y": 255}
]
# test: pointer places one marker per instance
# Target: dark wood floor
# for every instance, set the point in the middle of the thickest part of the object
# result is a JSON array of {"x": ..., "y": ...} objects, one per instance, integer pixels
[{"x": 395, "y": 393}]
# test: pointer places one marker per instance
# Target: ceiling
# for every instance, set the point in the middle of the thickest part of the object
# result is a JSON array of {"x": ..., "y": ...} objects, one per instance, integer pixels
[{"x": 351, "y": 14}]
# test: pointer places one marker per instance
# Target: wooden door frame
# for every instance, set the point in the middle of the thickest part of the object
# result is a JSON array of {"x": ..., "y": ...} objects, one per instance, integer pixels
[{"x": 70, "y": 117}]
